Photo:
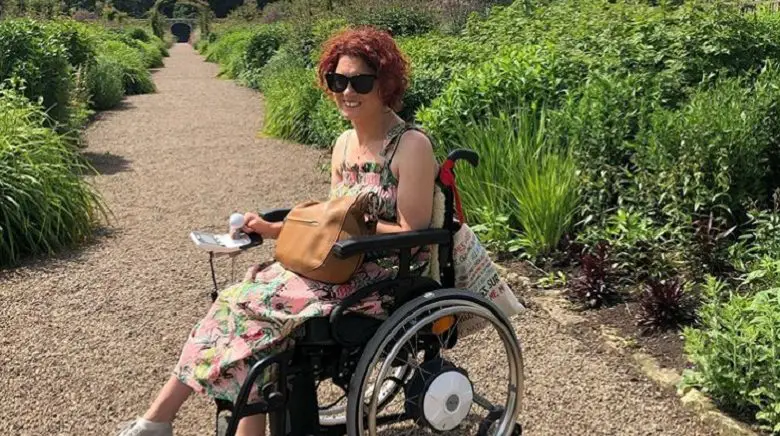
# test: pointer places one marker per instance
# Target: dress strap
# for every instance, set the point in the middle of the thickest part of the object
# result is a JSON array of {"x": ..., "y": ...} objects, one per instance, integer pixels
[
  {"x": 344, "y": 157},
  {"x": 395, "y": 137}
]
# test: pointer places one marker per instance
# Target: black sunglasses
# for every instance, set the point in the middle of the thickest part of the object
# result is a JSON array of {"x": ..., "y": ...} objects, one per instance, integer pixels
[{"x": 361, "y": 83}]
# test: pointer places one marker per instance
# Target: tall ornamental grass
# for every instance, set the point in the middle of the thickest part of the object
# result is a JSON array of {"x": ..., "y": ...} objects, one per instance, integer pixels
[
  {"x": 45, "y": 204},
  {"x": 522, "y": 183},
  {"x": 290, "y": 99},
  {"x": 135, "y": 75}
]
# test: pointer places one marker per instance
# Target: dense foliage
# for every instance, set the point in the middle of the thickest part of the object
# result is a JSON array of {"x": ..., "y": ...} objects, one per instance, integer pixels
[{"x": 53, "y": 75}]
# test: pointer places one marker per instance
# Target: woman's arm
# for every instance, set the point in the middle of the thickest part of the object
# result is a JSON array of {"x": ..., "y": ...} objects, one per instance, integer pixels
[
  {"x": 416, "y": 173},
  {"x": 253, "y": 223}
]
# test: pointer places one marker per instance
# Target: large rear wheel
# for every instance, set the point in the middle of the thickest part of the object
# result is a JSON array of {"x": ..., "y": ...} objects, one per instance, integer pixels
[{"x": 444, "y": 391}]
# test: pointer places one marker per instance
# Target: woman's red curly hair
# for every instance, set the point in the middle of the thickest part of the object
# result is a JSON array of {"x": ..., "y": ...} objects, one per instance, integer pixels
[{"x": 378, "y": 50}]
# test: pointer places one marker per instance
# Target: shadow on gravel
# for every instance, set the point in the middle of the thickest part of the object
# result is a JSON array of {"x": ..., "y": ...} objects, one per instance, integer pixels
[
  {"x": 108, "y": 113},
  {"x": 107, "y": 163},
  {"x": 61, "y": 259}
]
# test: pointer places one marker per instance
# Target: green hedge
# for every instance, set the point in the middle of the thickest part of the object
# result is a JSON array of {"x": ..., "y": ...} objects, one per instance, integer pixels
[
  {"x": 734, "y": 350},
  {"x": 71, "y": 69},
  {"x": 45, "y": 204},
  {"x": 46, "y": 54},
  {"x": 31, "y": 53},
  {"x": 516, "y": 75}
]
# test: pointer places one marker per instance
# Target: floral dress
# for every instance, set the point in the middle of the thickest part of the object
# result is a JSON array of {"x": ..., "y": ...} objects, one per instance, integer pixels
[{"x": 251, "y": 320}]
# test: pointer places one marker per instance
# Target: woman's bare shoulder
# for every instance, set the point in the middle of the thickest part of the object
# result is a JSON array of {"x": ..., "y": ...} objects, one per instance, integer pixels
[
  {"x": 340, "y": 143},
  {"x": 415, "y": 144},
  {"x": 414, "y": 154}
]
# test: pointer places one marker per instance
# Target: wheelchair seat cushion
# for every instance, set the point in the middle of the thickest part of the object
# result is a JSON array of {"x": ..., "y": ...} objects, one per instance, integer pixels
[{"x": 253, "y": 319}]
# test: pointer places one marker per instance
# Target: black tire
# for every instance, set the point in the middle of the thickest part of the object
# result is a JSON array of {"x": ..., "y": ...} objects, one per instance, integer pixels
[{"x": 375, "y": 345}]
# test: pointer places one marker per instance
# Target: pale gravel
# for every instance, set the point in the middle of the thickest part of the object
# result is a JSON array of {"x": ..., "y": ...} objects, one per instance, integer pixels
[{"x": 88, "y": 337}]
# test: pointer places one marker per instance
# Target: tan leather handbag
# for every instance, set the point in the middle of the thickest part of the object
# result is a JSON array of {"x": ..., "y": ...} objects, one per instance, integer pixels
[{"x": 312, "y": 228}]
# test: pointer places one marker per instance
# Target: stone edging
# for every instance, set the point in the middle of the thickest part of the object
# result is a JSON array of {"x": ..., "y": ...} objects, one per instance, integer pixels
[{"x": 690, "y": 398}]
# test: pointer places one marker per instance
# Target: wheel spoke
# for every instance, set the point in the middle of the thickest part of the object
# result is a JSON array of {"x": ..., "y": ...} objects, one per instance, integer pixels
[{"x": 406, "y": 334}]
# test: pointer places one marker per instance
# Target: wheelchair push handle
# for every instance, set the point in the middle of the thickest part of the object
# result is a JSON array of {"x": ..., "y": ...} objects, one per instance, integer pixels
[{"x": 469, "y": 156}]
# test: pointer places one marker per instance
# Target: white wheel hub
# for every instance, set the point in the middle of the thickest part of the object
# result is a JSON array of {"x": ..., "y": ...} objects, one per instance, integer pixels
[{"x": 448, "y": 400}]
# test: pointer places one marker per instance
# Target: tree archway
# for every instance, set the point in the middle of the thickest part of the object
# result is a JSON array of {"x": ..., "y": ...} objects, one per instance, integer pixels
[
  {"x": 181, "y": 31},
  {"x": 158, "y": 21}
]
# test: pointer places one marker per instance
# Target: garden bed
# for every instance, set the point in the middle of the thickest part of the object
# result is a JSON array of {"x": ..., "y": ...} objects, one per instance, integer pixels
[{"x": 666, "y": 346}]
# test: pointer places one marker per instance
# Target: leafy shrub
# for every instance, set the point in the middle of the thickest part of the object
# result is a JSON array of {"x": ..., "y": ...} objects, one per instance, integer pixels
[
  {"x": 283, "y": 59},
  {"x": 30, "y": 53},
  {"x": 76, "y": 38},
  {"x": 44, "y": 202},
  {"x": 323, "y": 29},
  {"x": 135, "y": 77},
  {"x": 105, "y": 83},
  {"x": 327, "y": 123},
  {"x": 223, "y": 45},
  {"x": 734, "y": 352},
  {"x": 396, "y": 20},
  {"x": 599, "y": 121},
  {"x": 641, "y": 248},
  {"x": 151, "y": 54},
  {"x": 454, "y": 14},
  {"x": 139, "y": 33},
  {"x": 290, "y": 98},
  {"x": 713, "y": 154},
  {"x": 434, "y": 60},
  {"x": 760, "y": 239},
  {"x": 517, "y": 75},
  {"x": 683, "y": 44},
  {"x": 262, "y": 45},
  {"x": 679, "y": 178},
  {"x": 494, "y": 231}
]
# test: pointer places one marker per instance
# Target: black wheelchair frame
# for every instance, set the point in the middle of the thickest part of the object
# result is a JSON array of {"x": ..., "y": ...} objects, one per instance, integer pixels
[{"x": 329, "y": 348}]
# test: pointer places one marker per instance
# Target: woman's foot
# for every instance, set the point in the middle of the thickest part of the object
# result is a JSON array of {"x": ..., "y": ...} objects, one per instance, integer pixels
[{"x": 144, "y": 427}]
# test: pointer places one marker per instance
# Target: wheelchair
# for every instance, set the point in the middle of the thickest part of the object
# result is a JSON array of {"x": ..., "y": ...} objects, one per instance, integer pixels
[{"x": 403, "y": 354}]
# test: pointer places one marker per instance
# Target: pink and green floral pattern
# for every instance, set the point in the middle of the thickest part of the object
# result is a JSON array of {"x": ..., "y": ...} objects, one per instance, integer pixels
[{"x": 251, "y": 320}]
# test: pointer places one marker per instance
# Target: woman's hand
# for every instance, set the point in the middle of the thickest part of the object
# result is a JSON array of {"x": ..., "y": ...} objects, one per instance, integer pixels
[
  {"x": 253, "y": 223},
  {"x": 251, "y": 273}
]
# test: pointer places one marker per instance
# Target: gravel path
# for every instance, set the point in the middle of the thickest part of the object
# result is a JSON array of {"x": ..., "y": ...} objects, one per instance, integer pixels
[{"x": 87, "y": 338}]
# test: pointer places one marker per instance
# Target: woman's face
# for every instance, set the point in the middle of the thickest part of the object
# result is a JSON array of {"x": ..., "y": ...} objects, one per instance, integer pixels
[{"x": 352, "y": 104}]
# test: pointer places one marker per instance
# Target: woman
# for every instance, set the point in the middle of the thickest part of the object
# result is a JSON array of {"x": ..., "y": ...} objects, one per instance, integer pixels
[{"x": 366, "y": 75}]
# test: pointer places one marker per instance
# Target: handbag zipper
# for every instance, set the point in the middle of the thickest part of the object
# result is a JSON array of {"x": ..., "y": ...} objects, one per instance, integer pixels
[{"x": 303, "y": 220}]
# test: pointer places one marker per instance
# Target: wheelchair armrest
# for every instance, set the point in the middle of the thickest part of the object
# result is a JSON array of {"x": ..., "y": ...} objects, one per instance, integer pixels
[
  {"x": 390, "y": 241},
  {"x": 275, "y": 215}
]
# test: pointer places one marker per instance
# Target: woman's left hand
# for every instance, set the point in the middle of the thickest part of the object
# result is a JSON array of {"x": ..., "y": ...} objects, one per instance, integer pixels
[{"x": 251, "y": 273}]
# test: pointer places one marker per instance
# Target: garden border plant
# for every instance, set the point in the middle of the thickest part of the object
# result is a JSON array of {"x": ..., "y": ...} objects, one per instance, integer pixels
[{"x": 55, "y": 74}]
